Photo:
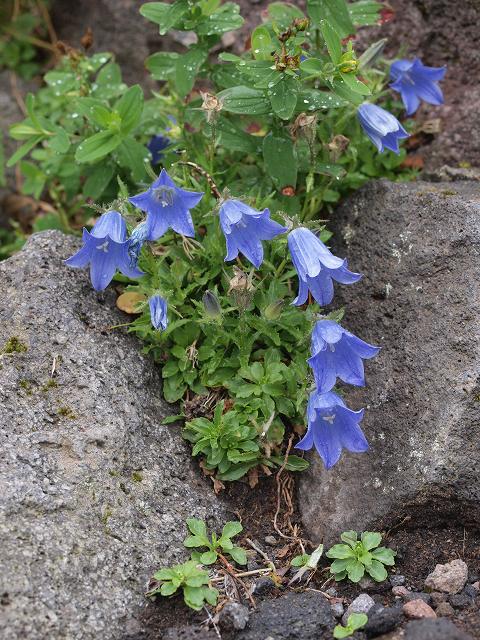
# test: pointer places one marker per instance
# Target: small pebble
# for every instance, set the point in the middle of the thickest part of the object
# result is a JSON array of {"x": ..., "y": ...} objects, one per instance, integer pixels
[
  {"x": 397, "y": 580},
  {"x": 418, "y": 609},
  {"x": 473, "y": 576},
  {"x": 271, "y": 540},
  {"x": 413, "y": 595},
  {"x": 450, "y": 577},
  {"x": 337, "y": 609},
  {"x": 264, "y": 586},
  {"x": 382, "y": 620},
  {"x": 438, "y": 597},
  {"x": 331, "y": 592},
  {"x": 362, "y": 604},
  {"x": 444, "y": 610},
  {"x": 470, "y": 591},
  {"x": 460, "y": 601},
  {"x": 476, "y": 585},
  {"x": 401, "y": 592},
  {"x": 233, "y": 616}
]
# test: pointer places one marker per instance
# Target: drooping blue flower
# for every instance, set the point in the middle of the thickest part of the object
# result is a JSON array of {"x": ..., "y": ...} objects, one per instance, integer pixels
[
  {"x": 138, "y": 238},
  {"x": 156, "y": 145},
  {"x": 317, "y": 267},
  {"x": 331, "y": 427},
  {"x": 167, "y": 206},
  {"x": 337, "y": 353},
  {"x": 158, "y": 312},
  {"x": 105, "y": 247},
  {"x": 244, "y": 229},
  {"x": 383, "y": 129},
  {"x": 414, "y": 81}
]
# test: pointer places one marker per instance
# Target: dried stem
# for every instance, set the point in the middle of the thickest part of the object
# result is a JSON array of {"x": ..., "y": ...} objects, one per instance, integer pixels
[{"x": 205, "y": 174}]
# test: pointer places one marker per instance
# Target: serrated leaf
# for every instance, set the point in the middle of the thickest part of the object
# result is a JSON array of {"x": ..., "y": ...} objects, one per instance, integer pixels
[
  {"x": 283, "y": 97},
  {"x": 193, "y": 597},
  {"x": 168, "y": 588},
  {"x": 244, "y": 100},
  {"x": 197, "y": 527},
  {"x": 384, "y": 555},
  {"x": 239, "y": 555},
  {"x": 355, "y": 571},
  {"x": 340, "y": 551},
  {"x": 350, "y": 537}
]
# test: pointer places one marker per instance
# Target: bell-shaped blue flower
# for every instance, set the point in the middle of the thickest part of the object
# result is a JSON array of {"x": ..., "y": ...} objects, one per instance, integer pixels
[
  {"x": 167, "y": 206},
  {"x": 158, "y": 312},
  {"x": 138, "y": 238},
  {"x": 331, "y": 427},
  {"x": 383, "y": 129},
  {"x": 414, "y": 81},
  {"x": 105, "y": 247},
  {"x": 244, "y": 229},
  {"x": 337, "y": 353},
  {"x": 156, "y": 145},
  {"x": 317, "y": 267}
]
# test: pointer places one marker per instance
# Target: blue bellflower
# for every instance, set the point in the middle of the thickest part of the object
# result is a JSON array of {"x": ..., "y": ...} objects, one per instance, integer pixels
[
  {"x": 137, "y": 239},
  {"x": 317, "y": 267},
  {"x": 105, "y": 247},
  {"x": 158, "y": 312},
  {"x": 156, "y": 145},
  {"x": 244, "y": 229},
  {"x": 414, "y": 81},
  {"x": 337, "y": 353},
  {"x": 167, "y": 206},
  {"x": 383, "y": 129},
  {"x": 331, "y": 427}
]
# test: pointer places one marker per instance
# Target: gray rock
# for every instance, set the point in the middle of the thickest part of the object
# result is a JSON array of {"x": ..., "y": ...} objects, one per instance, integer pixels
[
  {"x": 470, "y": 591},
  {"x": 187, "y": 633},
  {"x": 233, "y": 617},
  {"x": 450, "y": 577},
  {"x": 263, "y": 586},
  {"x": 337, "y": 609},
  {"x": 382, "y": 620},
  {"x": 460, "y": 601},
  {"x": 94, "y": 491},
  {"x": 362, "y": 604},
  {"x": 294, "y": 616},
  {"x": 419, "y": 299},
  {"x": 397, "y": 580},
  {"x": 416, "y": 595},
  {"x": 434, "y": 629},
  {"x": 438, "y": 597},
  {"x": 444, "y": 609}
]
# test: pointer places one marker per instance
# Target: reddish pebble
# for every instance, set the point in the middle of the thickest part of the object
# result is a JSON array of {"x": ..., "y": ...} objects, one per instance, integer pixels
[
  {"x": 400, "y": 591},
  {"x": 418, "y": 609}
]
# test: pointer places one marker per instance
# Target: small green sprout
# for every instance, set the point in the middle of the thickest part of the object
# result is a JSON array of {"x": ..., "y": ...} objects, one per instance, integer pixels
[
  {"x": 357, "y": 556},
  {"x": 189, "y": 577},
  {"x": 355, "y": 621},
  {"x": 199, "y": 538},
  {"x": 306, "y": 562}
]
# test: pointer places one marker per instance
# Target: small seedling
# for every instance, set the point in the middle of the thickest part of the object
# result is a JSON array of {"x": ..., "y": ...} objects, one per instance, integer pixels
[
  {"x": 357, "y": 556},
  {"x": 215, "y": 546},
  {"x": 306, "y": 562},
  {"x": 355, "y": 621},
  {"x": 189, "y": 577}
]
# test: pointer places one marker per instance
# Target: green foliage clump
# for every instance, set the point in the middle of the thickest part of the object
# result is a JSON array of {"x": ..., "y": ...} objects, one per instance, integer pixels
[
  {"x": 356, "y": 557},
  {"x": 214, "y": 545}
]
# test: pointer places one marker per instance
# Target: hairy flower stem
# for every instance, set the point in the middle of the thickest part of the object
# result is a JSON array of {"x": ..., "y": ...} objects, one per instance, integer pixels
[{"x": 205, "y": 174}]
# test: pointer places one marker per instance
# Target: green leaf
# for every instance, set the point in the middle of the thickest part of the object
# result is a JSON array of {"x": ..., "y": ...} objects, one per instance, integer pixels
[
  {"x": 357, "y": 620},
  {"x": 209, "y": 557},
  {"x": 232, "y": 529},
  {"x": 60, "y": 142},
  {"x": 341, "y": 632},
  {"x": 130, "y": 107},
  {"x": 210, "y": 594},
  {"x": 195, "y": 541},
  {"x": 300, "y": 561},
  {"x": 24, "y": 149},
  {"x": 193, "y": 597},
  {"x": 350, "y": 537},
  {"x": 334, "y": 12},
  {"x": 313, "y": 100},
  {"x": 234, "y": 138},
  {"x": 168, "y": 588},
  {"x": 97, "y": 146},
  {"x": 162, "y": 65},
  {"x": 382, "y": 554},
  {"x": 186, "y": 69},
  {"x": 294, "y": 463},
  {"x": 34, "y": 179},
  {"x": 340, "y": 551},
  {"x": 343, "y": 90},
  {"x": 339, "y": 565},
  {"x": 283, "y": 97},
  {"x": 239, "y": 555},
  {"x": 225, "y": 18},
  {"x": 197, "y": 527},
  {"x": 262, "y": 46},
  {"x": 98, "y": 180},
  {"x": 244, "y": 100},
  {"x": 365, "y": 12},
  {"x": 280, "y": 158},
  {"x": 332, "y": 40},
  {"x": 377, "y": 571},
  {"x": 163, "y": 14},
  {"x": 132, "y": 156},
  {"x": 355, "y": 85},
  {"x": 373, "y": 52},
  {"x": 355, "y": 571},
  {"x": 284, "y": 13},
  {"x": 24, "y": 130},
  {"x": 371, "y": 539}
]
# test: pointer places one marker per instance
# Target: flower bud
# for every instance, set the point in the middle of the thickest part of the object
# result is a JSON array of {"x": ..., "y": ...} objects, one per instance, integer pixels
[
  {"x": 211, "y": 305},
  {"x": 274, "y": 310}
]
